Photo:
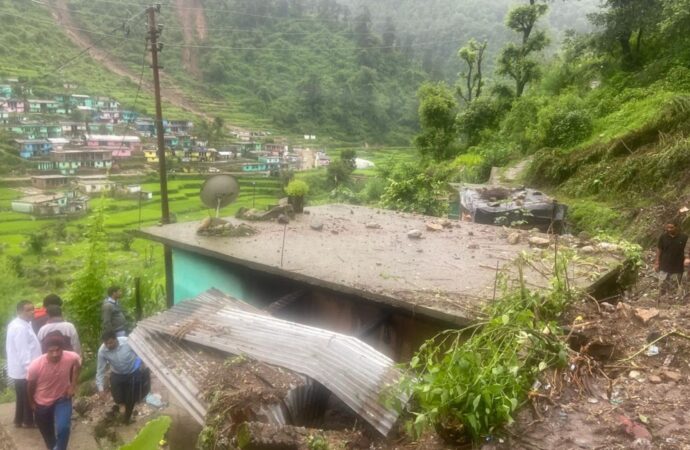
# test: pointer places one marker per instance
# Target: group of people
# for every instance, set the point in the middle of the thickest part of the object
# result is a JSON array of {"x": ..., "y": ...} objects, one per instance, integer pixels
[{"x": 44, "y": 362}]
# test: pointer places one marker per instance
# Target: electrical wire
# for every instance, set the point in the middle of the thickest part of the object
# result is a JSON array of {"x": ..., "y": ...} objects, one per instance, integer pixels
[{"x": 242, "y": 13}]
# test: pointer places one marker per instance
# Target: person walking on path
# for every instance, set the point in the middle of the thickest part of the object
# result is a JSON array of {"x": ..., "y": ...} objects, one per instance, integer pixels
[
  {"x": 22, "y": 347},
  {"x": 129, "y": 381},
  {"x": 41, "y": 314},
  {"x": 670, "y": 259},
  {"x": 112, "y": 316},
  {"x": 53, "y": 379},
  {"x": 57, "y": 323}
]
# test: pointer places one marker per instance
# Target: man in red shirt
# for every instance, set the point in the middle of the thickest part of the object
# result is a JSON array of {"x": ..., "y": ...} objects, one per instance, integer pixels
[{"x": 52, "y": 380}]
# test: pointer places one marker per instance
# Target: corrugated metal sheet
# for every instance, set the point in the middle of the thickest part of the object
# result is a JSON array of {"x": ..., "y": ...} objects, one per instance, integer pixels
[{"x": 350, "y": 369}]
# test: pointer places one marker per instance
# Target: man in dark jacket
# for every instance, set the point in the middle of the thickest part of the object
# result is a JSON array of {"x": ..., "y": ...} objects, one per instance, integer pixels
[
  {"x": 670, "y": 259},
  {"x": 112, "y": 316}
]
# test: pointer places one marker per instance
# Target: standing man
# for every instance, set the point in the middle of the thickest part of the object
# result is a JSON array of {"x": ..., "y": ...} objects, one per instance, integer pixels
[
  {"x": 53, "y": 379},
  {"x": 57, "y": 323},
  {"x": 129, "y": 381},
  {"x": 41, "y": 314},
  {"x": 22, "y": 347},
  {"x": 112, "y": 316},
  {"x": 670, "y": 258}
]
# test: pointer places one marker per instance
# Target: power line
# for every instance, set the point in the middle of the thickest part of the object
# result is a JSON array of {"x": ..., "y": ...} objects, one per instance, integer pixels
[
  {"x": 248, "y": 14},
  {"x": 353, "y": 46}
]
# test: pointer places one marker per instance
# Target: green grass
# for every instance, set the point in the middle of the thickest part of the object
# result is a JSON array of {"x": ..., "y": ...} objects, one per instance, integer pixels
[{"x": 121, "y": 215}]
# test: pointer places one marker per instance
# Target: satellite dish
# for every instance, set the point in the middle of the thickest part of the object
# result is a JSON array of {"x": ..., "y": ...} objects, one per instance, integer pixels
[{"x": 219, "y": 191}]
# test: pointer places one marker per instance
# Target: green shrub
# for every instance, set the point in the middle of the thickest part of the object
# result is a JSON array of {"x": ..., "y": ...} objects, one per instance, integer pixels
[
  {"x": 567, "y": 128},
  {"x": 593, "y": 217},
  {"x": 297, "y": 188}
]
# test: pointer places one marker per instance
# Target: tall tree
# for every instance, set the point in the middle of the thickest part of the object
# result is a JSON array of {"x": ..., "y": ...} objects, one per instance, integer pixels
[
  {"x": 437, "y": 116},
  {"x": 472, "y": 54},
  {"x": 517, "y": 60},
  {"x": 624, "y": 23}
]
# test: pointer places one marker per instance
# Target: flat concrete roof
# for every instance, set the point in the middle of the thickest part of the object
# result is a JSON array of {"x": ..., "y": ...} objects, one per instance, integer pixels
[{"x": 447, "y": 274}]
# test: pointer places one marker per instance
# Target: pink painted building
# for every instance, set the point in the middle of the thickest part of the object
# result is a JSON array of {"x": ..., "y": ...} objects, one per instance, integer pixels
[
  {"x": 12, "y": 106},
  {"x": 121, "y": 146}
]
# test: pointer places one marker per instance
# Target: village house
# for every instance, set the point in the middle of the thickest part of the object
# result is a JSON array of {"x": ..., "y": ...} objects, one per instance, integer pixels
[
  {"x": 94, "y": 184},
  {"x": 49, "y": 182},
  {"x": 359, "y": 273},
  {"x": 199, "y": 154},
  {"x": 151, "y": 155},
  {"x": 69, "y": 161},
  {"x": 321, "y": 159},
  {"x": 276, "y": 149},
  {"x": 106, "y": 104},
  {"x": 36, "y": 106},
  {"x": 74, "y": 129},
  {"x": 35, "y": 130},
  {"x": 13, "y": 106},
  {"x": 121, "y": 146},
  {"x": 6, "y": 90},
  {"x": 82, "y": 102},
  {"x": 180, "y": 127},
  {"x": 34, "y": 148},
  {"x": 111, "y": 116},
  {"x": 45, "y": 205}
]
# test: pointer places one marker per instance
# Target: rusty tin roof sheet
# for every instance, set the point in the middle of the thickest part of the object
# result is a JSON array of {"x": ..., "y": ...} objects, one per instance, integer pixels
[{"x": 352, "y": 370}]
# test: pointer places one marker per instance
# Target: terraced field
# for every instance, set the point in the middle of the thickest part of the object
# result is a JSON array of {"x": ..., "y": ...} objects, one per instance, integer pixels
[{"x": 50, "y": 270}]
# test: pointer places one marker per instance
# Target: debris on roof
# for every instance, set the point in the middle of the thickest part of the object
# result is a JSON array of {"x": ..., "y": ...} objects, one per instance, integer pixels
[{"x": 524, "y": 207}]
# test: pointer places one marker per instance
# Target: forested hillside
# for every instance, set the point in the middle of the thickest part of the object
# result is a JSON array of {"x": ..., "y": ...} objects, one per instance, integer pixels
[
  {"x": 451, "y": 23},
  {"x": 305, "y": 66},
  {"x": 605, "y": 122}
]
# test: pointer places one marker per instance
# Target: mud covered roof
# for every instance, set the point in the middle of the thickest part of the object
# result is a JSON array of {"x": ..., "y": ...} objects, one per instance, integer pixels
[{"x": 446, "y": 274}]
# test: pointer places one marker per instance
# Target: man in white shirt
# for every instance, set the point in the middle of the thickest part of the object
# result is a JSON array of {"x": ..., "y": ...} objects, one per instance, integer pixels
[{"x": 22, "y": 347}]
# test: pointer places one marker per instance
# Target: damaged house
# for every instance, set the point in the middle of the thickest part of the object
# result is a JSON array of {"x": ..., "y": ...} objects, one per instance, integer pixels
[{"x": 333, "y": 298}]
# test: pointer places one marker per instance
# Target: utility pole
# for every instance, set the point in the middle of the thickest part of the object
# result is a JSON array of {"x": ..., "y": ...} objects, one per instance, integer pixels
[{"x": 154, "y": 32}]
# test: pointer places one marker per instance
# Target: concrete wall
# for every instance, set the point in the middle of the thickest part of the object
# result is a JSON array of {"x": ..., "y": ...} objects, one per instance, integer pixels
[{"x": 394, "y": 332}]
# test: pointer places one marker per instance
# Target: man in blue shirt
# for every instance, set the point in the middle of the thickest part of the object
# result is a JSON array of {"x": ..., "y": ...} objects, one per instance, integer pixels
[{"x": 129, "y": 381}]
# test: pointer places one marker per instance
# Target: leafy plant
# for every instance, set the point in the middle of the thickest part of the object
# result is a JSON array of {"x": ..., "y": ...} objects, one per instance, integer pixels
[
  {"x": 297, "y": 188},
  {"x": 470, "y": 382},
  {"x": 151, "y": 436},
  {"x": 89, "y": 284}
]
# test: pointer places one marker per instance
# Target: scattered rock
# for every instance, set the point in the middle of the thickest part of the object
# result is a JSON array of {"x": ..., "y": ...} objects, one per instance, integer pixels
[
  {"x": 671, "y": 375},
  {"x": 588, "y": 250},
  {"x": 316, "y": 225},
  {"x": 654, "y": 379},
  {"x": 270, "y": 214},
  {"x": 635, "y": 375},
  {"x": 608, "y": 247},
  {"x": 633, "y": 429},
  {"x": 283, "y": 219},
  {"x": 373, "y": 226},
  {"x": 645, "y": 315},
  {"x": 473, "y": 246},
  {"x": 414, "y": 234},
  {"x": 283, "y": 201},
  {"x": 430, "y": 226},
  {"x": 624, "y": 309},
  {"x": 514, "y": 238},
  {"x": 536, "y": 241},
  {"x": 470, "y": 233},
  {"x": 445, "y": 223}
]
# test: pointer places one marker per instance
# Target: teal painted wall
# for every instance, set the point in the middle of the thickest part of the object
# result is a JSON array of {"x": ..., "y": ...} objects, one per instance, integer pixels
[{"x": 194, "y": 274}]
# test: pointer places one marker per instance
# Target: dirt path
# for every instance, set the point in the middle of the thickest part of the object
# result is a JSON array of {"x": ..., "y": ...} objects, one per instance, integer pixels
[{"x": 169, "y": 91}]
